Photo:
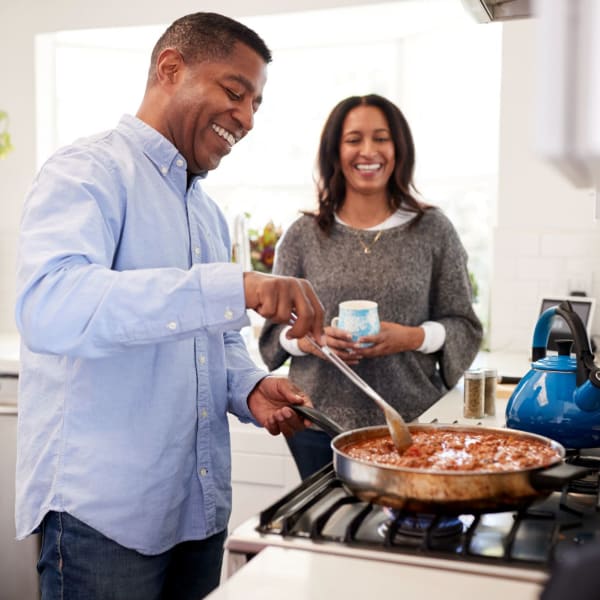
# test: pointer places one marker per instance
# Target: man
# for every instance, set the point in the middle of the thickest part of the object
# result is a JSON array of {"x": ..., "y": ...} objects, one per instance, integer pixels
[{"x": 129, "y": 311}]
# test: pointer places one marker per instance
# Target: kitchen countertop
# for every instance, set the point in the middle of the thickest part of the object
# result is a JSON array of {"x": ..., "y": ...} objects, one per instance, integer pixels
[
  {"x": 449, "y": 409},
  {"x": 9, "y": 371},
  {"x": 301, "y": 575}
]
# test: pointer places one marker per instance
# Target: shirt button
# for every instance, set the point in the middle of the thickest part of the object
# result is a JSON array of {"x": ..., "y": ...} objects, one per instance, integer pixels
[
  {"x": 172, "y": 325},
  {"x": 204, "y": 414},
  {"x": 179, "y": 162},
  {"x": 202, "y": 359},
  {"x": 203, "y": 472},
  {"x": 164, "y": 170},
  {"x": 197, "y": 251},
  {"x": 228, "y": 314}
]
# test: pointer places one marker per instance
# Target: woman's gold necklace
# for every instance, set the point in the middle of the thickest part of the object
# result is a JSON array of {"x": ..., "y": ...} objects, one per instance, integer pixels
[{"x": 367, "y": 247}]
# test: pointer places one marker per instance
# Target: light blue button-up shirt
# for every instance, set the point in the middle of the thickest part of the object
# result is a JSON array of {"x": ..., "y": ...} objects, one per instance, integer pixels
[{"x": 129, "y": 311}]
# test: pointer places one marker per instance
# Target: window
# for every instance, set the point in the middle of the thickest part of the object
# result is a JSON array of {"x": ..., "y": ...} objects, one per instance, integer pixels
[{"x": 430, "y": 57}]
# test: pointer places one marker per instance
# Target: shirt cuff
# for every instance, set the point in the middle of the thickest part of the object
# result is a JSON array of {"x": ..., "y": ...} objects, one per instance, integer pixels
[
  {"x": 290, "y": 345},
  {"x": 435, "y": 336}
]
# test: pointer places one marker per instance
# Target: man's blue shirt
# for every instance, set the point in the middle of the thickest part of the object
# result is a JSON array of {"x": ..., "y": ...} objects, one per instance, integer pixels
[{"x": 129, "y": 311}]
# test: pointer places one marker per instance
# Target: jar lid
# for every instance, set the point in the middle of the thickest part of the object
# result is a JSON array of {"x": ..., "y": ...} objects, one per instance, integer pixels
[
  {"x": 474, "y": 374},
  {"x": 491, "y": 372}
]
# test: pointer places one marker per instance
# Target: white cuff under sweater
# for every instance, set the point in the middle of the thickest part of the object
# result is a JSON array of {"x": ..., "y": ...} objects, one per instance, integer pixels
[
  {"x": 435, "y": 336},
  {"x": 290, "y": 345}
]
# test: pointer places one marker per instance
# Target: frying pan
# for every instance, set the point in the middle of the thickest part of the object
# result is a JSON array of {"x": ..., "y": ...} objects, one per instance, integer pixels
[{"x": 441, "y": 492}]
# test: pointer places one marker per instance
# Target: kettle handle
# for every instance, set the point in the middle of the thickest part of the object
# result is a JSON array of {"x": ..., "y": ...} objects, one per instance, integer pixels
[{"x": 583, "y": 352}]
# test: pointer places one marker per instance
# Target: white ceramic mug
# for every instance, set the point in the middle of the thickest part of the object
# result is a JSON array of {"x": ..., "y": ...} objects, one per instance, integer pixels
[{"x": 358, "y": 317}]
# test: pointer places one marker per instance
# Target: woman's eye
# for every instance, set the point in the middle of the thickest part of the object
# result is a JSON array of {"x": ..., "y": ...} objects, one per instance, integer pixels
[{"x": 382, "y": 139}]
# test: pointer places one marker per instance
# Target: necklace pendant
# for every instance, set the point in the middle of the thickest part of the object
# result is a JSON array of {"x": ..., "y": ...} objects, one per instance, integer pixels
[{"x": 367, "y": 251}]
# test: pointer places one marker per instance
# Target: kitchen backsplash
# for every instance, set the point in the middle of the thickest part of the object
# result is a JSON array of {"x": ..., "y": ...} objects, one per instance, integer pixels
[{"x": 529, "y": 264}]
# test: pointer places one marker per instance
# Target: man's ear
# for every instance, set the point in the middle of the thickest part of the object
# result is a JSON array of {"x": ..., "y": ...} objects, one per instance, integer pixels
[{"x": 169, "y": 66}]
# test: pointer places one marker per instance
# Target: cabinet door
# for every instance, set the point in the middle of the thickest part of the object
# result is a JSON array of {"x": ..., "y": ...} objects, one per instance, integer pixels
[{"x": 18, "y": 575}]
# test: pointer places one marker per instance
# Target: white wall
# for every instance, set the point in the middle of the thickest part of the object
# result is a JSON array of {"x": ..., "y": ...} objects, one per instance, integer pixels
[
  {"x": 546, "y": 237},
  {"x": 19, "y": 23},
  {"x": 545, "y": 233}
]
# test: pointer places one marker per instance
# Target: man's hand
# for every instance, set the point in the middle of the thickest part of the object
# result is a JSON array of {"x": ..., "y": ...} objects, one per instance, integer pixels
[
  {"x": 269, "y": 403},
  {"x": 277, "y": 298}
]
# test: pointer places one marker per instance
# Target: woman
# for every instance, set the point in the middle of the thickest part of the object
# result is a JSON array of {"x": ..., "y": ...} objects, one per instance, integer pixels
[{"x": 372, "y": 239}]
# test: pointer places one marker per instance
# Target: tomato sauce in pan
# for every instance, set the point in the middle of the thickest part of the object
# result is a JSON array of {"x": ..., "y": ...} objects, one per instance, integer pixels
[{"x": 443, "y": 450}]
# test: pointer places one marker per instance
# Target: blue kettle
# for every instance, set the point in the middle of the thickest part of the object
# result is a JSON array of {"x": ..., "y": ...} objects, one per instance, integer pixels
[{"x": 560, "y": 396}]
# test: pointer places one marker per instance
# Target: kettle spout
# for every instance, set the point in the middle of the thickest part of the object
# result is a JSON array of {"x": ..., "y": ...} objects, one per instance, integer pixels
[{"x": 587, "y": 396}]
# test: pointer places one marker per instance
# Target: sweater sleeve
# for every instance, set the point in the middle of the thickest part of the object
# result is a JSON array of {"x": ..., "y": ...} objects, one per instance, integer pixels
[
  {"x": 452, "y": 306},
  {"x": 287, "y": 262}
]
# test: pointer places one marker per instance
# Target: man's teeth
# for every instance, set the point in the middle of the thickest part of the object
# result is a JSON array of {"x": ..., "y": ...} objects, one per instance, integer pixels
[
  {"x": 224, "y": 134},
  {"x": 372, "y": 167}
]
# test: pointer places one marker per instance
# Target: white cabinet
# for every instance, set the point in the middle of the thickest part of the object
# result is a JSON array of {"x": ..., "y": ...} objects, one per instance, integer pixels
[
  {"x": 262, "y": 470},
  {"x": 9, "y": 383},
  {"x": 18, "y": 575}
]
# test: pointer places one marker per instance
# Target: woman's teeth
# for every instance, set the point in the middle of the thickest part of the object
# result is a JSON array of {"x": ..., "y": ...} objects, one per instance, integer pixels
[
  {"x": 372, "y": 167},
  {"x": 224, "y": 134}
]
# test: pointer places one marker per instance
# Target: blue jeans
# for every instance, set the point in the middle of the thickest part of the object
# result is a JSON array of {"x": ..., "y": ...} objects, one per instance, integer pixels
[
  {"x": 311, "y": 450},
  {"x": 79, "y": 563}
]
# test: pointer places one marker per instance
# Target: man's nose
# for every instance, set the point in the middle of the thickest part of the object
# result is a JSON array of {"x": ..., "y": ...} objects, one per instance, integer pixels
[{"x": 244, "y": 115}]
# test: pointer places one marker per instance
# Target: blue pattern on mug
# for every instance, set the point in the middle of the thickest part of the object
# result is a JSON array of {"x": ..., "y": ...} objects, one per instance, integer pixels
[{"x": 358, "y": 317}]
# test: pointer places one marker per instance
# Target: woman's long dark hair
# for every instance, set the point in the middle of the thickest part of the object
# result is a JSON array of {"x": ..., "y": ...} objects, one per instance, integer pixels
[{"x": 331, "y": 183}]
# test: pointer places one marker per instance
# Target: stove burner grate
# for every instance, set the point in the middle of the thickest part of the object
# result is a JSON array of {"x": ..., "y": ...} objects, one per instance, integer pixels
[
  {"x": 589, "y": 485},
  {"x": 322, "y": 509},
  {"x": 419, "y": 525}
]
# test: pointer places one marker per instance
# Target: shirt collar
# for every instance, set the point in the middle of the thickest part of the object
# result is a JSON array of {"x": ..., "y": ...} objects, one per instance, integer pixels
[{"x": 155, "y": 145}]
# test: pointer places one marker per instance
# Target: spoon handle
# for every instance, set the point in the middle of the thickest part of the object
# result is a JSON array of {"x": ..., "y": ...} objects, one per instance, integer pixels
[{"x": 342, "y": 366}]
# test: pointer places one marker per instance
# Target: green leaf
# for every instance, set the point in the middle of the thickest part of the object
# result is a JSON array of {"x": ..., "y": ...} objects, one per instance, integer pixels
[{"x": 5, "y": 144}]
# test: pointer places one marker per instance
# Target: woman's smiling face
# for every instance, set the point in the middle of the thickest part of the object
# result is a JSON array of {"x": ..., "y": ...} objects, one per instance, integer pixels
[{"x": 367, "y": 154}]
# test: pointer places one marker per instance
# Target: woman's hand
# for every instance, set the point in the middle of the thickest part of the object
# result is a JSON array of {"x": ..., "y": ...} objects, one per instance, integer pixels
[
  {"x": 339, "y": 340},
  {"x": 391, "y": 339}
]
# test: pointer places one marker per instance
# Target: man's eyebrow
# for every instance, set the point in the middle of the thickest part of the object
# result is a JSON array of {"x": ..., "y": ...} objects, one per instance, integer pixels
[{"x": 247, "y": 84}]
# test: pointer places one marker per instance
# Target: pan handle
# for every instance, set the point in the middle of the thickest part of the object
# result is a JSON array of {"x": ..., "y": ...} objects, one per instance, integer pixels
[
  {"x": 318, "y": 418},
  {"x": 553, "y": 478}
]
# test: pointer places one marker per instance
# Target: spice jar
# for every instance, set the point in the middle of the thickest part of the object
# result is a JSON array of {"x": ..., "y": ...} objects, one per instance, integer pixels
[
  {"x": 489, "y": 402},
  {"x": 474, "y": 394}
]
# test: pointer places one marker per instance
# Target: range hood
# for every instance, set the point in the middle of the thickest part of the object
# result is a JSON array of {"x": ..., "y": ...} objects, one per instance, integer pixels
[
  {"x": 485, "y": 11},
  {"x": 567, "y": 74}
]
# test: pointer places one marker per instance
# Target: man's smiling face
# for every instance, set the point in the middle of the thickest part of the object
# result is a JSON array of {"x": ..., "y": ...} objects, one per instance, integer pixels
[{"x": 213, "y": 105}]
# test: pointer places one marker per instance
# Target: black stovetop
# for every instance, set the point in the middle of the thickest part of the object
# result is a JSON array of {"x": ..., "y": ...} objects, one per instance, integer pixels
[{"x": 323, "y": 510}]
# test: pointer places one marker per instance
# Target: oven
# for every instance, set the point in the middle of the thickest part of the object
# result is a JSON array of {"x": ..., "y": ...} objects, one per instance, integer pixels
[{"x": 321, "y": 516}]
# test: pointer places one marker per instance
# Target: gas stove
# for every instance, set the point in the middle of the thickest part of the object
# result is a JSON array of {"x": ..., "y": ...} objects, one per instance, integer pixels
[{"x": 321, "y": 515}]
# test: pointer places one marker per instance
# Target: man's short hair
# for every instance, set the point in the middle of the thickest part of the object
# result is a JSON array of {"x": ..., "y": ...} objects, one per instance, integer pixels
[{"x": 207, "y": 36}]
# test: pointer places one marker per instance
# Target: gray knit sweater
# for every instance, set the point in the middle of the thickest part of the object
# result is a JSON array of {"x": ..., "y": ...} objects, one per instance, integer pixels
[{"x": 415, "y": 272}]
